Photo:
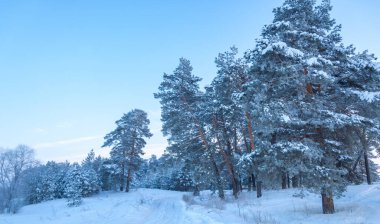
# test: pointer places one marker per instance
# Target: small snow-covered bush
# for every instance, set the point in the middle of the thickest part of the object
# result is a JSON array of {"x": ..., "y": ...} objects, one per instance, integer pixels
[
  {"x": 188, "y": 199},
  {"x": 263, "y": 218}
]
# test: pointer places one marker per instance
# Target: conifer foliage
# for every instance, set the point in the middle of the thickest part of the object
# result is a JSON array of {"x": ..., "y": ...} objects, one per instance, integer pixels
[
  {"x": 280, "y": 115},
  {"x": 298, "y": 68},
  {"x": 73, "y": 191},
  {"x": 127, "y": 142}
]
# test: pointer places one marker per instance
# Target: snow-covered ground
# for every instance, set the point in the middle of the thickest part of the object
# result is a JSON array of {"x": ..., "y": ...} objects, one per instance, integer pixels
[{"x": 360, "y": 205}]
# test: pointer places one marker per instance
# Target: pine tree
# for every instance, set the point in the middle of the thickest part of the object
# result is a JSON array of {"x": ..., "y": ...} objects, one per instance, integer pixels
[
  {"x": 362, "y": 84},
  {"x": 127, "y": 142},
  {"x": 229, "y": 113},
  {"x": 181, "y": 103},
  {"x": 50, "y": 182},
  {"x": 296, "y": 69},
  {"x": 89, "y": 160},
  {"x": 73, "y": 187},
  {"x": 90, "y": 182},
  {"x": 109, "y": 174}
]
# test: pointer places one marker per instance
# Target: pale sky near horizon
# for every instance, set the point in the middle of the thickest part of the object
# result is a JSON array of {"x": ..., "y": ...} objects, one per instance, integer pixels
[{"x": 70, "y": 69}]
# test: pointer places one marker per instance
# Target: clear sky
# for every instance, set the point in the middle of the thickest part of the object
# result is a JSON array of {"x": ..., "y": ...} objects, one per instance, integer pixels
[{"x": 69, "y": 69}]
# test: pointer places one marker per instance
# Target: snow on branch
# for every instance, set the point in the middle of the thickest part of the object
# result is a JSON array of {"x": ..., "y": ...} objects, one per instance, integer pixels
[
  {"x": 289, "y": 51},
  {"x": 367, "y": 96}
]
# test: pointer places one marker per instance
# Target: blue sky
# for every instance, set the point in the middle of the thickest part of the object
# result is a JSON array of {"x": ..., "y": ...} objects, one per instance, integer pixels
[{"x": 70, "y": 69}]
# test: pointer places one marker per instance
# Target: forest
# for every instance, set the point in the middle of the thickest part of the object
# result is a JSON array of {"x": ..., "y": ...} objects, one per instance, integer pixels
[{"x": 298, "y": 110}]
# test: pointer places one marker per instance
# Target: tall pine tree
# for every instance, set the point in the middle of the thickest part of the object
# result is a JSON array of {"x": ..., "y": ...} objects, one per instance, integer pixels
[
  {"x": 297, "y": 67},
  {"x": 181, "y": 114},
  {"x": 127, "y": 142}
]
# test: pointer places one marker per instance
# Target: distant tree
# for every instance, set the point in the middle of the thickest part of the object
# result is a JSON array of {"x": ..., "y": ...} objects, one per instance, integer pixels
[
  {"x": 109, "y": 174},
  {"x": 46, "y": 182},
  {"x": 127, "y": 142},
  {"x": 73, "y": 186},
  {"x": 89, "y": 160},
  {"x": 90, "y": 184},
  {"x": 13, "y": 163},
  {"x": 91, "y": 172}
]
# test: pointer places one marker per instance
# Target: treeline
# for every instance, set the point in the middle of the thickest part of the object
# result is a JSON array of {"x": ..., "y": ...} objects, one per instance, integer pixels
[{"x": 23, "y": 180}]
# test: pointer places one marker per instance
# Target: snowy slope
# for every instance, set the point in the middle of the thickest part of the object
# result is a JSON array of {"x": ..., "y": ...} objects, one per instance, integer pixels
[{"x": 361, "y": 205}]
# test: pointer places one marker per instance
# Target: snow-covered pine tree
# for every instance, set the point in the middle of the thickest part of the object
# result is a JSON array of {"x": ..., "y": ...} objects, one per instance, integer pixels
[
  {"x": 181, "y": 107},
  {"x": 127, "y": 142},
  {"x": 229, "y": 116},
  {"x": 362, "y": 84},
  {"x": 89, "y": 160},
  {"x": 73, "y": 186},
  {"x": 91, "y": 174},
  {"x": 223, "y": 133},
  {"x": 51, "y": 181},
  {"x": 297, "y": 66},
  {"x": 163, "y": 169},
  {"x": 109, "y": 174},
  {"x": 32, "y": 181},
  {"x": 141, "y": 176},
  {"x": 90, "y": 182},
  {"x": 117, "y": 155}
]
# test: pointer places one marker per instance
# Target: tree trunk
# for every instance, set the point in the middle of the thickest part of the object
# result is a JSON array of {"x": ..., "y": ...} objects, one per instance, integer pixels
[
  {"x": 309, "y": 88},
  {"x": 364, "y": 142},
  {"x": 236, "y": 147},
  {"x": 327, "y": 202},
  {"x": 367, "y": 171},
  {"x": 249, "y": 183},
  {"x": 283, "y": 180},
  {"x": 226, "y": 158},
  {"x": 259, "y": 184},
  {"x": 122, "y": 178},
  {"x": 114, "y": 182},
  {"x": 250, "y": 130},
  {"x": 129, "y": 177},
  {"x": 356, "y": 161},
  {"x": 253, "y": 182},
  {"x": 196, "y": 190},
  {"x": 231, "y": 171},
  {"x": 295, "y": 182},
  {"x": 247, "y": 147},
  {"x": 366, "y": 164},
  {"x": 213, "y": 163},
  {"x": 288, "y": 179},
  {"x": 218, "y": 179}
]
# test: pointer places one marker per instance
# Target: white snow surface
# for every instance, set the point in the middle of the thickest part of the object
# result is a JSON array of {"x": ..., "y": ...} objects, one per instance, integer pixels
[{"x": 360, "y": 205}]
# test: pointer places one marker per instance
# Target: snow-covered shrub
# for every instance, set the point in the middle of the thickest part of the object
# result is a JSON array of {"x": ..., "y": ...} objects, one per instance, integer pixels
[{"x": 73, "y": 187}]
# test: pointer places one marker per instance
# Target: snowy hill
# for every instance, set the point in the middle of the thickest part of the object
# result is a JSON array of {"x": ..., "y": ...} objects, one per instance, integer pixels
[{"x": 360, "y": 205}]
